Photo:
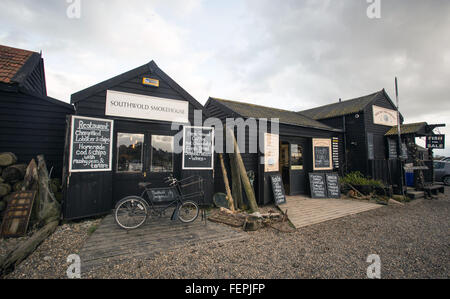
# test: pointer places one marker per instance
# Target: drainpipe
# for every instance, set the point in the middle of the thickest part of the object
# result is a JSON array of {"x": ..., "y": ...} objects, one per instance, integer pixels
[{"x": 344, "y": 128}]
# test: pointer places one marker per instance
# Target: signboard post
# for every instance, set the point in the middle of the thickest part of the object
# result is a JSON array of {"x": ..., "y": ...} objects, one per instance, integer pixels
[
  {"x": 333, "y": 187},
  {"x": 436, "y": 142},
  {"x": 318, "y": 185},
  {"x": 392, "y": 149},
  {"x": 278, "y": 189},
  {"x": 91, "y": 144},
  {"x": 198, "y": 148}
]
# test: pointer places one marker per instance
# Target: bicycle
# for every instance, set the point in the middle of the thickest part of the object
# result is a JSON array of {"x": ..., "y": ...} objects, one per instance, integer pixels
[{"x": 132, "y": 212}]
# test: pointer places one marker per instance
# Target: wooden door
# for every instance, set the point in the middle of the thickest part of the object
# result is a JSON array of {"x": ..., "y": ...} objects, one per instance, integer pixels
[{"x": 297, "y": 150}]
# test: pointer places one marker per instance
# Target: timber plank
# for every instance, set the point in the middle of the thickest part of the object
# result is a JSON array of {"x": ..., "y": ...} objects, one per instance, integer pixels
[{"x": 109, "y": 242}]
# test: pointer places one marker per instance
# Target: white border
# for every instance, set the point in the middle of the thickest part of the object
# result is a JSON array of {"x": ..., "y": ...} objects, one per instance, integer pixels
[
  {"x": 71, "y": 144},
  {"x": 146, "y": 100},
  {"x": 212, "y": 147},
  {"x": 314, "y": 141}
]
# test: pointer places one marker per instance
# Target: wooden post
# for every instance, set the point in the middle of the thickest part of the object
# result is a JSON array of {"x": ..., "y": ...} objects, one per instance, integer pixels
[
  {"x": 26, "y": 248},
  {"x": 245, "y": 181},
  {"x": 227, "y": 183},
  {"x": 236, "y": 182}
]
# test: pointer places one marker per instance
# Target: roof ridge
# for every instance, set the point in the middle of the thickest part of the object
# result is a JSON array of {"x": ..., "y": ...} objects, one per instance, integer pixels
[
  {"x": 19, "y": 49},
  {"x": 250, "y": 104},
  {"x": 344, "y": 101},
  {"x": 289, "y": 117}
]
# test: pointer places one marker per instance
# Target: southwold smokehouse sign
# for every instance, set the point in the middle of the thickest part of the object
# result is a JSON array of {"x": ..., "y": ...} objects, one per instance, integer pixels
[
  {"x": 91, "y": 144},
  {"x": 198, "y": 148},
  {"x": 138, "y": 106}
]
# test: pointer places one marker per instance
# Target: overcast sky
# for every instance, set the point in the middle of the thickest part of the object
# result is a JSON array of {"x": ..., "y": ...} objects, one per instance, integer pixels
[{"x": 287, "y": 54}]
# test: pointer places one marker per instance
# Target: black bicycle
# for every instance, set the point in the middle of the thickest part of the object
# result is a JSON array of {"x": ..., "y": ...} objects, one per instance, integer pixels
[{"x": 132, "y": 212}]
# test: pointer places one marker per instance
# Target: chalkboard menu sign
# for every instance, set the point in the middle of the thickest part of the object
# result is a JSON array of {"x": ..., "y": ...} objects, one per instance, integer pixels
[
  {"x": 333, "y": 188},
  {"x": 392, "y": 148},
  {"x": 91, "y": 144},
  {"x": 198, "y": 148},
  {"x": 404, "y": 154},
  {"x": 278, "y": 189},
  {"x": 322, "y": 152},
  {"x": 318, "y": 185},
  {"x": 370, "y": 146},
  {"x": 159, "y": 195},
  {"x": 322, "y": 157}
]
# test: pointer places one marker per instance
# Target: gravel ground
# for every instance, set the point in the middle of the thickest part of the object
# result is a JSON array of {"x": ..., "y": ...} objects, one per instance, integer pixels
[
  {"x": 413, "y": 241},
  {"x": 49, "y": 259}
]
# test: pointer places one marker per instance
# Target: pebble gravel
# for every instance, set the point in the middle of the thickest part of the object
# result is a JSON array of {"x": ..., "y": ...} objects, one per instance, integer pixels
[{"x": 413, "y": 241}]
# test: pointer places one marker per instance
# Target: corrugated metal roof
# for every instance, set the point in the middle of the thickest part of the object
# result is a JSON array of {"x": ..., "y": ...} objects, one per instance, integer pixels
[
  {"x": 11, "y": 61},
  {"x": 247, "y": 110},
  {"x": 341, "y": 108},
  {"x": 413, "y": 128}
]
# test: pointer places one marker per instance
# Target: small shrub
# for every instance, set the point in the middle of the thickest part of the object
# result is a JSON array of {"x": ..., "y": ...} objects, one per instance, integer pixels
[
  {"x": 356, "y": 179},
  {"x": 92, "y": 230}
]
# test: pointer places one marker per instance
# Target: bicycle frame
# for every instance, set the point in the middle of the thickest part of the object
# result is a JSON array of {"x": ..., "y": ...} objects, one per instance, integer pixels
[{"x": 162, "y": 208}]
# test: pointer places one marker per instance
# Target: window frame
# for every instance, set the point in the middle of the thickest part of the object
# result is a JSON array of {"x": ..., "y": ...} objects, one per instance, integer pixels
[
  {"x": 142, "y": 154},
  {"x": 150, "y": 168}
]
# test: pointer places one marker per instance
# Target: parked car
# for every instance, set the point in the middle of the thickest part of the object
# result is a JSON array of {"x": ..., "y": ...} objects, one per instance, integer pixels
[
  {"x": 442, "y": 171},
  {"x": 446, "y": 159}
]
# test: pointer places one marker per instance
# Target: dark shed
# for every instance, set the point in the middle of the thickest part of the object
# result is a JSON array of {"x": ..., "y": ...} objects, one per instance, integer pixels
[
  {"x": 30, "y": 122},
  {"x": 296, "y": 134},
  {"x": 365, "y": 121},
  {"x": 142, "y": 143}
]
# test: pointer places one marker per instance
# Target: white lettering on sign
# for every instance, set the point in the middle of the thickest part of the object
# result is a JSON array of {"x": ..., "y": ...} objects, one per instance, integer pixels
[
  {"x": 130, "y": 105},
  {"x": 91, "y": 144},
  {"x": 385, "y": 117}
]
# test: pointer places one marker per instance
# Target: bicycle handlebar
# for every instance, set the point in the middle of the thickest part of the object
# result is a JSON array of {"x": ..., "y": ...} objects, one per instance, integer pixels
[{"x": 171, "y": 180}]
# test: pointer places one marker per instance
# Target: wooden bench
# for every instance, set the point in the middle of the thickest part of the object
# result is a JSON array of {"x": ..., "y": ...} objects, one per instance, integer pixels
[{"x": 434, "y": 190}]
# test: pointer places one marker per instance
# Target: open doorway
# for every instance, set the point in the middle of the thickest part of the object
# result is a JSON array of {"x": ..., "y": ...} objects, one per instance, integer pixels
[{"x": 292, "y": 166}]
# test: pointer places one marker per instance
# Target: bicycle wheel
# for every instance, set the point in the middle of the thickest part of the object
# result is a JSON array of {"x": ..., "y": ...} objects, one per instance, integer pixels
[
  {"x": 131, "y": 212},
  {"x": 188, "y": 212}
]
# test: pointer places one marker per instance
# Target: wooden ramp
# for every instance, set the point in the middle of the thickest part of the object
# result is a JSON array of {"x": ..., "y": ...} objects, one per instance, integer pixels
[
  {"x": 303, "y": 211},
  {"x": 111, "y": 243}
]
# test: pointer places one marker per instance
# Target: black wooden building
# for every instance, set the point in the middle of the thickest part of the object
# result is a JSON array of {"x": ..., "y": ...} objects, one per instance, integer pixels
[
  {"x": 31, "y": 123},
  {"x": 142, "y": 143},
  {"x": 295, "y": 148},
  {"x": 365, "y": 121}
]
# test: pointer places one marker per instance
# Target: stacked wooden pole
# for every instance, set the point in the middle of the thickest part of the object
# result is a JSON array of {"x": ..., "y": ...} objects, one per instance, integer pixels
[{"x": 239, "y": 176}]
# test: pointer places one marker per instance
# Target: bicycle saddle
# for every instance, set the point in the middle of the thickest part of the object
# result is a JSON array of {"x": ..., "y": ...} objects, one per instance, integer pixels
[{"x": 144, "y": 184}]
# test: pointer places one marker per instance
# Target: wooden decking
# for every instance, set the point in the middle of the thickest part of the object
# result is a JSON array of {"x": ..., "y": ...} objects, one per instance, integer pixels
[
  {"x": 303, "y": 211},
  {"x": 109, "y": 242}
]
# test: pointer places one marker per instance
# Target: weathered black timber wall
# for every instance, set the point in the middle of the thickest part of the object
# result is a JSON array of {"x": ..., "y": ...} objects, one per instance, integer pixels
[
  {"x": 378, "y": 130},
  {"x": 91, "y": 103},
  {"x": 33, "y": 125},
  {"x": 379, "y": 167},
  {"x": 356, "y": 143},
  {"x": 35, "y": 81},
  {"x": 250, "y": 160},
  {"x": 262, "y": 185}
]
